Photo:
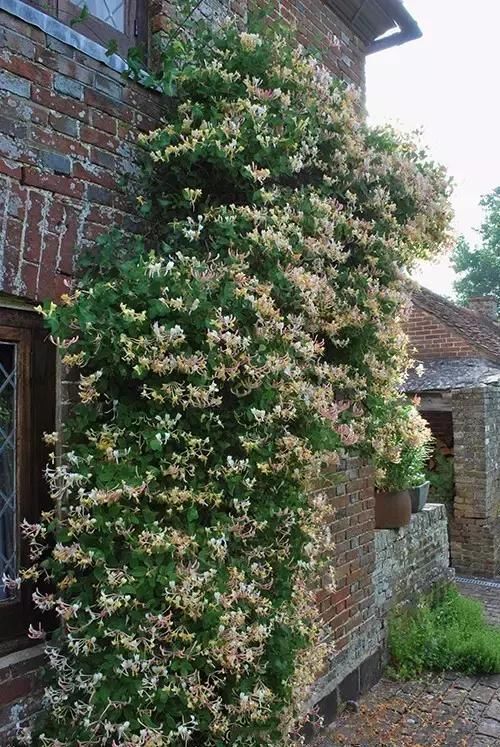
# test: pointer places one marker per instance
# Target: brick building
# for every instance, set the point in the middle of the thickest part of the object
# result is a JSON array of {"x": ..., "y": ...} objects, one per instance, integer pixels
[
  {"x": 69, "y": 119},
  {"x": 460, "y": 397}
]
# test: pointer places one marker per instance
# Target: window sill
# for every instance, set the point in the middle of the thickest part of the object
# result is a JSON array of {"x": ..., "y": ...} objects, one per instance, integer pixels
[
  {"x": 23, "y": 647},
  {"x": 21, "y": 662},
  {"x": 63, "y": 33}
]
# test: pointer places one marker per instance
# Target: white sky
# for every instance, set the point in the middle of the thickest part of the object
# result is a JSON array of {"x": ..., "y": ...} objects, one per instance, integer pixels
[{"x": 447, "y": 83}]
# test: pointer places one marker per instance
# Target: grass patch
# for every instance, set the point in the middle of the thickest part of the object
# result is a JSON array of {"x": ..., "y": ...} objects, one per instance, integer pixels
[{"x": 444, "y": 632}]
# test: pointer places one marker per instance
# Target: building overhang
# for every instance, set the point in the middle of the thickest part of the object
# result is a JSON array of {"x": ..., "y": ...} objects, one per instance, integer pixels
[
  {"x": 443, "y": 375},
  {"x": 380, "y": 24}
]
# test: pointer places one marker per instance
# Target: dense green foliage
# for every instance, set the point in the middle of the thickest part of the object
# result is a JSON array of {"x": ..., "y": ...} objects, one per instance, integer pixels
[
  {"x": 221, "y": 357},
  {"x": 480, "y": 264},
  {"x": 445, "y": 632},
  {"x": 401, "y": 444},
  {"x": 441, "y": 478}
]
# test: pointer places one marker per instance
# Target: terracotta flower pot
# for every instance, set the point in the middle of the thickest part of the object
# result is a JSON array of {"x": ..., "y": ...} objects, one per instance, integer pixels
[
  {"x": 419, "y": 495},
  {"x": 392, "y": 509}
]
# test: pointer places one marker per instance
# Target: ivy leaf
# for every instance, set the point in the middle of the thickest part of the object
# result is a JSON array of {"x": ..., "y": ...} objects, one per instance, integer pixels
[
  {"x": 82, "y": 16},
  {"x": 111, "y": 47}
]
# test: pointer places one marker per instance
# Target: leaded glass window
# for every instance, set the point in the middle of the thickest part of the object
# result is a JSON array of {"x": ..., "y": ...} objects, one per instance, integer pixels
[
  {"x": 8, "y": 408},
  {"x": 116, "y": 24},
  {"x": 27, "y": 408},
  {"x": 111, "y": 12}
]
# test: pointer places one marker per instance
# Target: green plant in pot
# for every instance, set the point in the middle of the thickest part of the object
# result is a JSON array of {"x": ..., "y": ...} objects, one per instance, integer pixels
[{"x": 401, "y": 447}]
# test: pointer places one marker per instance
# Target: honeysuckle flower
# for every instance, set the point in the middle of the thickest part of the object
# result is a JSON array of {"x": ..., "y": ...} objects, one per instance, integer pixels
[{"x": 245, "y": 342}]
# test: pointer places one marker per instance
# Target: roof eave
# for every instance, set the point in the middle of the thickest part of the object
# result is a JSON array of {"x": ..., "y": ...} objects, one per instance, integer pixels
[{"x": 409, "y": 30}]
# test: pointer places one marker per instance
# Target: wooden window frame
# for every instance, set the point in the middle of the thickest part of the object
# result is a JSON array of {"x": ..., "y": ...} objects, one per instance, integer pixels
[
  {"x": 135, "y": 33},
  {"x": 35, "y": 415}
]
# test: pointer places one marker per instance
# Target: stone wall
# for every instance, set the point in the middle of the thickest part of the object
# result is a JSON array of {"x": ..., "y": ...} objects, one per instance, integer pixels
[
  {"x": 409, "y": 561},
  {"x": 475, "y": 525}
]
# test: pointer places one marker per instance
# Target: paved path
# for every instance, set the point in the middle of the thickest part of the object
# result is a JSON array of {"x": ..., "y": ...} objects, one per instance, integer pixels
[
  {"x": 437, "y": 711},
  {"x": 449, "y": 711}
]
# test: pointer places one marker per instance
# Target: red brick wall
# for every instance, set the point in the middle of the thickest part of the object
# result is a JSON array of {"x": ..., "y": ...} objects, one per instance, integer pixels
[
  {"x": 67, "y": 131},
  {"x": 433, "y": 339},
  {"x": 349, "y": 612},
  {"x": 319, "y": 28},
  {"x": 353, "y": 531},
  {"x": 20, "y": 691},
  {"x": 441, "y": 424}
]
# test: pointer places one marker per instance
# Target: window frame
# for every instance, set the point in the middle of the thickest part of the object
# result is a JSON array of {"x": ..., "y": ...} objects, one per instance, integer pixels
[
  {"x": 93, "y": 28},
  {"x": 35, "y": 414}
]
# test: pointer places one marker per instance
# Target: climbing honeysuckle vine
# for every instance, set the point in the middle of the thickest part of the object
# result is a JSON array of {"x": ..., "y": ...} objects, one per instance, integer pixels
[{"x": 220, "y": 357}]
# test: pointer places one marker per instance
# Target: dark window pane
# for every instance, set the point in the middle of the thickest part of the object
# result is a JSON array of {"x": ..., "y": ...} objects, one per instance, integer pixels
[{"x": 8, "y": 553}]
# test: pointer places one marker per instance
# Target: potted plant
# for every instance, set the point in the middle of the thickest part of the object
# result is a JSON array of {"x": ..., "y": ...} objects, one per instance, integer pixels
[
  {"x": 402, "y": 447},
  {"x": 419, "y": 495}
]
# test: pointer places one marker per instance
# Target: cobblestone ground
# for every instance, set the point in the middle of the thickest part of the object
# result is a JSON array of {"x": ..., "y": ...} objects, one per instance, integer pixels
[
  {"x": 437, "y": 711},
  {"x": 448, "y": 711}
]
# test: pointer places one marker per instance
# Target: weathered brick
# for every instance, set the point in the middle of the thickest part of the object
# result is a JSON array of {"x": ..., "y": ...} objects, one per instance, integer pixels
[
  {"x": 103, "y": 103},
  {"x": 68, "y": 237},
  {"x": 68, "y": 87},
  {"x": 29, "y": 278},
  {"x": 104, "y": 122},
  {"x": 48, "y": 266},
  {"x": 59, "y": 143},
  {"x": 55, "y": 162},
  {"x": 37, "y": 208},
  {"x": 33, "y": 177},
  {"x": 63, "y": 50},
  {"x": 99, "y": 195},
  {"x": 59, "y": 103},
  {"x": 13, "y": 128},
  {"x": 98, "y": 137},
  {"x": 107, "y": 85},
  {"x": 14, "y": 42},
  {"x": 66, "y": 125},
  {"x": 10, "y": 168},
  {"x": 12, "y": 690},
  {"x": 26, "y": 69},
  {"x": 22, "y": 109},
  {"x": 105, "y": 159},
  {"x": 14, "y": 84},
  {"x": 95, "y": 174}
]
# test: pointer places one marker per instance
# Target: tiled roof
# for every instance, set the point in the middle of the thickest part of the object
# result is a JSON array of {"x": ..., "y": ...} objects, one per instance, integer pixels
[
  {"x": 455, "y": 373},
  {"x": 480, "y": 331}
]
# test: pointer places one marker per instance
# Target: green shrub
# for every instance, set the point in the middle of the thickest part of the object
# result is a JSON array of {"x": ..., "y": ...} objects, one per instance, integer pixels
[
  {"x": 442, "y": 479},
  {"x": 444, "y": 632}
]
